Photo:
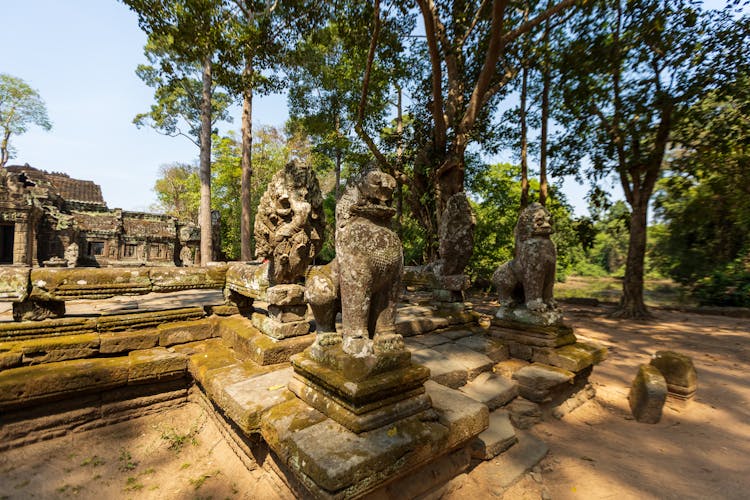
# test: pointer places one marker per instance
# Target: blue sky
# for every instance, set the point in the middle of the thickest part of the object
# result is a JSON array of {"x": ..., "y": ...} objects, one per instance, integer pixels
[{"x": 81, "y": 56}]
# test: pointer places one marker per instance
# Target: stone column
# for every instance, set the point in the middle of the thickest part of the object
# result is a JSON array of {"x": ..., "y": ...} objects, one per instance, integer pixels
[{"x": 21, "y": 244}]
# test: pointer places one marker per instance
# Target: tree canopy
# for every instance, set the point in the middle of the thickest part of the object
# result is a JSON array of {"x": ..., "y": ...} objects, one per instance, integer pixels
[{"x": 20, "y": 107}]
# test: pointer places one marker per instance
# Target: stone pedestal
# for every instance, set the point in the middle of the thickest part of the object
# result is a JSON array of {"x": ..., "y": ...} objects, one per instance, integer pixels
[
  {"x": 286, "y": 313},
  {"x": 360, "y": 393}
]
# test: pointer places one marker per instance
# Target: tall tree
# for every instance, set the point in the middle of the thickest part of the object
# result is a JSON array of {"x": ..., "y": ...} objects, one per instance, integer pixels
[
  {"x": 20, "y": 106},
  {"x": 468, "y": 49},
  {"x": 627, "y": 74},
  {"x": 185, "y": 37}
]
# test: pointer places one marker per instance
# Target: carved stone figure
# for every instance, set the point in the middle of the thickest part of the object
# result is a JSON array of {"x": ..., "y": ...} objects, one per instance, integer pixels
[
  {"x": 71, "y": 254},
  {"x": 366, "y": 274},
  {"x": 290, "y": 223},
  {"x": 529, "y": 278},
  {"x": 456, "y": 235},
  {"x": 186, "y": 256}
]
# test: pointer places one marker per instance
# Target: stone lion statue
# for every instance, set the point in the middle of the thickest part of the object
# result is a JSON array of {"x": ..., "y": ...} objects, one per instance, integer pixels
[
  {"x": 528, "y": 279},
  {"x": 366, "y": 274},
  {"x": 290, "y": 223}
]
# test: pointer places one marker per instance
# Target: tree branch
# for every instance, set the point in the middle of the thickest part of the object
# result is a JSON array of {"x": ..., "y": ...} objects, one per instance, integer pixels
[
  {"x": 460, "y": 42},
  {"x": 365, "y": 90},
  {"x": 440, "y": 129}
]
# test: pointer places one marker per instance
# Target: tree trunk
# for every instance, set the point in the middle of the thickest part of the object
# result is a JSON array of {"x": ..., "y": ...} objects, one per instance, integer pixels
[
  {"x": 545, "y": 120},
  {"x": 246, "y": 228},
  {"x": 524, "y": 143},
  {"x": 631, "y": 303},
  {"x": 205, "y": 166},
  {"x": 399, "y": 162},
  {"x": 524, "y": 129},
  {"x": 337, "y": 188}
]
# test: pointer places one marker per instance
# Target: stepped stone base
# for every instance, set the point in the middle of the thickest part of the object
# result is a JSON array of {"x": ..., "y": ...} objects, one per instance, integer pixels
[{"x": 360, "y": 393}]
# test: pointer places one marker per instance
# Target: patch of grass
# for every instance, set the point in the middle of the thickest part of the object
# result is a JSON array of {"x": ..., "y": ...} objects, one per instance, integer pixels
[
  {"x": 178, "y": 440},
  {"x": 126, "y": 461},
  {"x": 63, "y": 488},
  {"x": 198, "y": 482},
  {"x": 21, "y": 485},
  {"x": 132, "y": 484},
  {"x": 148, "y": 471},
  {"x": 94, "y": 461},
  {"x": 185, "y": 465}
]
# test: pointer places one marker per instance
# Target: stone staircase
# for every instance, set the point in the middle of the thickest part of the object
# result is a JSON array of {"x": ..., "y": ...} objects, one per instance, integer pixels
[{"x": 67, "y": 383}]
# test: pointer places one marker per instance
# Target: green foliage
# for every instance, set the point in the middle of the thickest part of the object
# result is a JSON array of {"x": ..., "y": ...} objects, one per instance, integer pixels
[
  {"x": 496, "y": 198},
  {"x": 20, "y": 106},
  {"x": 726, "y": 286},
  {"x": 178, "y": 191}
]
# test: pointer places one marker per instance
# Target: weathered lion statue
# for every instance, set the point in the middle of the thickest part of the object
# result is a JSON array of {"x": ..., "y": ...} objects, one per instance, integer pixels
[
  {"x": 529, "y": 278},
  {"x": 366, "y": 274}
]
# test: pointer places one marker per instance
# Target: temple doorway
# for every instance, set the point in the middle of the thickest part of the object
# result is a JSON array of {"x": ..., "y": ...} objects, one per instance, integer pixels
[{"x": 7, "y": 232}]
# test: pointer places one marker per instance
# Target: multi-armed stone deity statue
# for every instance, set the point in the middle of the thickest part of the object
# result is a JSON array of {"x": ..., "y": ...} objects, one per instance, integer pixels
[
  {"x": 525, "y": 284},
  {"x": 289, "y": 233},
  {"x": 290, "y": 223}
]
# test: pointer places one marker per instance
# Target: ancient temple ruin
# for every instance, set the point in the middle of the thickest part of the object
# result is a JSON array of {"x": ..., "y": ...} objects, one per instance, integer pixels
[
  {"x": 392, "y": 398},
  {"x": 51, "y": 219}
]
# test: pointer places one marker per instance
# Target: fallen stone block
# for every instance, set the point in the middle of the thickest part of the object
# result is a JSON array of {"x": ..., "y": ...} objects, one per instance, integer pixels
[
  {"x": 10, "y": 359},
  {"x": 499, "y": 436},
  {"x": 647, "y": 395},
  {"x": 678, "y": 371},
  {"x": 524, "y": 413},
  {"x": 170, "y": 279},
  {"x": 520, "y": 459},
  {"x": 491, "y": 390},
  {"x": 278, "y": 330}
]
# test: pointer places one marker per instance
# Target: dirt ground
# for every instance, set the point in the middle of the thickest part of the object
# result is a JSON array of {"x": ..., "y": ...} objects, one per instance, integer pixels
[{"x": 698, "y": 450}]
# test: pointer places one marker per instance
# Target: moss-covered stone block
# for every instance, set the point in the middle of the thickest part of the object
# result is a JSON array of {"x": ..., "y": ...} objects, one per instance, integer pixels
[
  {"x": 169, "y": 279},
  {"x": 59, "y": 348},
  {"x": 209, "y": 355},
  {"x": 119, "y": 342},
  {"x": 48, "y": 327},
  {"x": 679, "y": 372},
  {"x": 88, "y": 283},
  {"x": 155, "y": 364},
  {"x": 183, "y": 332},
  {"x": 573, "y": 357},
  {"x": 34, "y": 384},
  {"x": 117, "y": 322},
  {"x": 14, "y": 283}
]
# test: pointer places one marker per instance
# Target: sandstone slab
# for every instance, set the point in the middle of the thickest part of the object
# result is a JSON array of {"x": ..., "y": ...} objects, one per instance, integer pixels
[
  {"x": 443, "y": 370},
  {"x": 499, "y": 436},
  {"x": 473, "y": 361},
  {"x": 573, "y": 357},
  {"x": 539, "y": 382},
  {"x": 491, "y": 390},
  {"x": 14, "y": 283},
  {"x": 60, "y": 348},
  {"x": 245, "y": 400},
  {"x": 150, "y": 365},
  {"x": 491, "y": 347},
  {"x": 278, "y": 330},
  {"x": 464, "y": 417},
  {"x": 119, "y": 342},
  {"x": 183, "y": 332},
  {"x": 33, "y": 384},
  {"x": 520, "y": 459},
  {"x": 250, "y": 343},
  {"x": 524, "y": 413},
  {"x": 88, "y": 283}
]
